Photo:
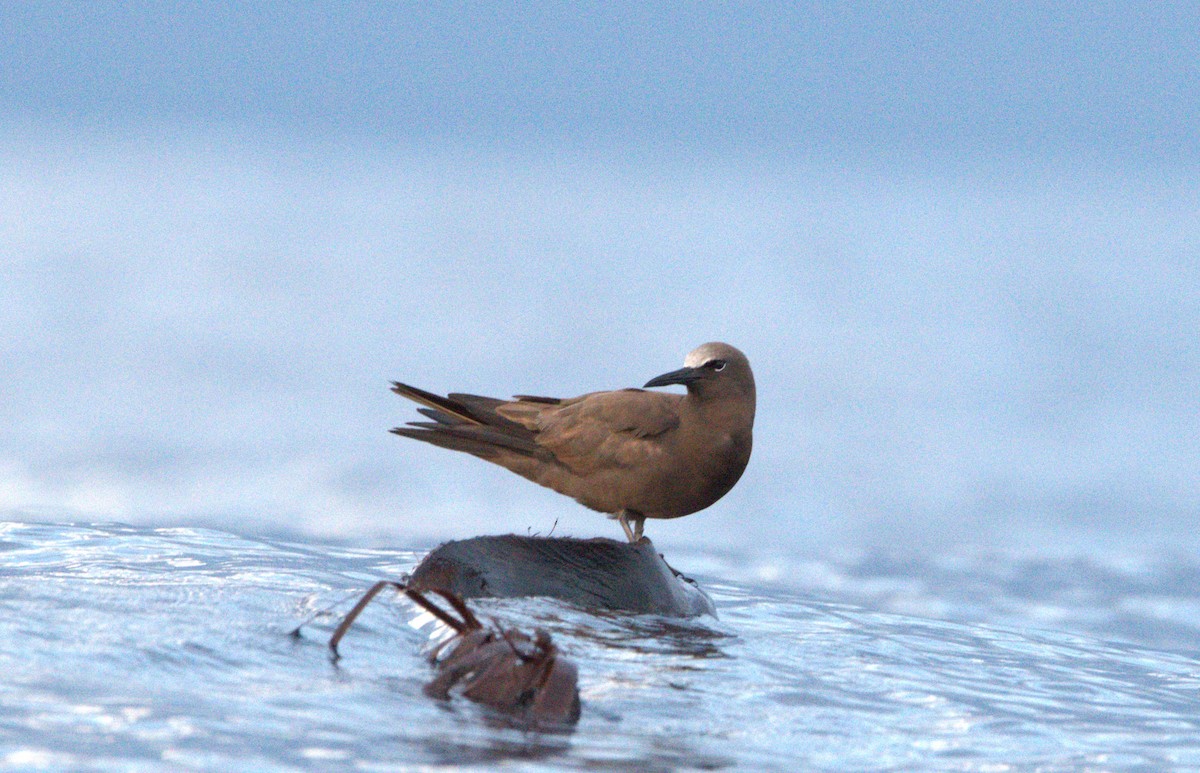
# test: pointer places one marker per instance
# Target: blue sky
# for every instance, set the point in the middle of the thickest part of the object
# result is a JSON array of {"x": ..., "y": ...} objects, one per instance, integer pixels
[{"x": 897, "y": 81}]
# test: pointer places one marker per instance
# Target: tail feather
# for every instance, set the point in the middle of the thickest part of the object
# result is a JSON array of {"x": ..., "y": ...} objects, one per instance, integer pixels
[
  {"x": 436, "y": 415},
  {"x": 464, "y": 422},
  {"x": 438, "y": 403},
  {"x": 479, "y": 441}
]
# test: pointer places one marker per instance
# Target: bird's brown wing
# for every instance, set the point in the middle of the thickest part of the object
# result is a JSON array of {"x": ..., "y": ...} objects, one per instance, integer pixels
[{"x": 601, "y": 430}]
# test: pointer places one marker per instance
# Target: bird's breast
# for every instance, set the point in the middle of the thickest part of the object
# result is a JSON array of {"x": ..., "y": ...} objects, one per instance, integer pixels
[{"x": 705, "y": 468}]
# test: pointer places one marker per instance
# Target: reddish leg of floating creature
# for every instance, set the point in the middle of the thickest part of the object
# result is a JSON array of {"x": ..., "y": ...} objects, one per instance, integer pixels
[
  {"x": 353, "y": 614},
  {"x": 468, "y": 623}
]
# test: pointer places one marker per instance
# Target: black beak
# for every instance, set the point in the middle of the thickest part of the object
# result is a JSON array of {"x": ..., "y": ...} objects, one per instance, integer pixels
[{"x": 683, "y": 376}]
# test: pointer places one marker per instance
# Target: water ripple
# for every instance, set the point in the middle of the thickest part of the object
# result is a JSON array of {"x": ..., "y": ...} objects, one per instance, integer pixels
[{"x": 167, "y": 648}]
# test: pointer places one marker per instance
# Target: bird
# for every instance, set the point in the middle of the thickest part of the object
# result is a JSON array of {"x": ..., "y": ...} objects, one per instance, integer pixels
[{"x": 630, "y": 453}]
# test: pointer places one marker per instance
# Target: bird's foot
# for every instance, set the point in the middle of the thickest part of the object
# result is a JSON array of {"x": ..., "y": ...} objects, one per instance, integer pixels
[{"x": 634, "y": 533}]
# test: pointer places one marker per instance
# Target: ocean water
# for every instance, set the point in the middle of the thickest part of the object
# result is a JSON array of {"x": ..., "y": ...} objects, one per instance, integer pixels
[
  {"x": 966, "y": 539},
  {"x": 140, "y": 648}
]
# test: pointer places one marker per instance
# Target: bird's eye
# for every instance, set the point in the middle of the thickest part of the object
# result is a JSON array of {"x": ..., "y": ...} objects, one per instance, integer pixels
[{"x": 715, "y": 365}]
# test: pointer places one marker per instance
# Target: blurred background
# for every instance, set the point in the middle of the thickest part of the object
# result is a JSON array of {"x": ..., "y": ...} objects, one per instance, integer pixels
[{"x": 958, "y": 242}]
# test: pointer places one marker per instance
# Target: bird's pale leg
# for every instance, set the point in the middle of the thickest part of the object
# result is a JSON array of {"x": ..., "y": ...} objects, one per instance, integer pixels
[{"x": 634, "y": 534}]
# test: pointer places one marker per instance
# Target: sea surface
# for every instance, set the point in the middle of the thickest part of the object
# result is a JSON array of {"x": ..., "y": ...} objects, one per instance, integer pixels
[
  {"x": 141, "y": 648},
  {"x": 967, "y": 539}
]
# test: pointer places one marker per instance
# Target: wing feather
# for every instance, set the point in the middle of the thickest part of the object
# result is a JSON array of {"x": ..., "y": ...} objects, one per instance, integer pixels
[{"x": 602, "y": 429}]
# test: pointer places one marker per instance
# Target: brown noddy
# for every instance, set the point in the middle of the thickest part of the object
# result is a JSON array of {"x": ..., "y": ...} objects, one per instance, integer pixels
[{"x": 630, "y": 453}]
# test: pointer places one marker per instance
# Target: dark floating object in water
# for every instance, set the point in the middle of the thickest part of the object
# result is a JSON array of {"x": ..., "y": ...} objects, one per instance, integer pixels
[
  {"x": 505, "y": 669},
  {"x": 521, "y": 675},
  {"x": 592, "y": 573}
]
